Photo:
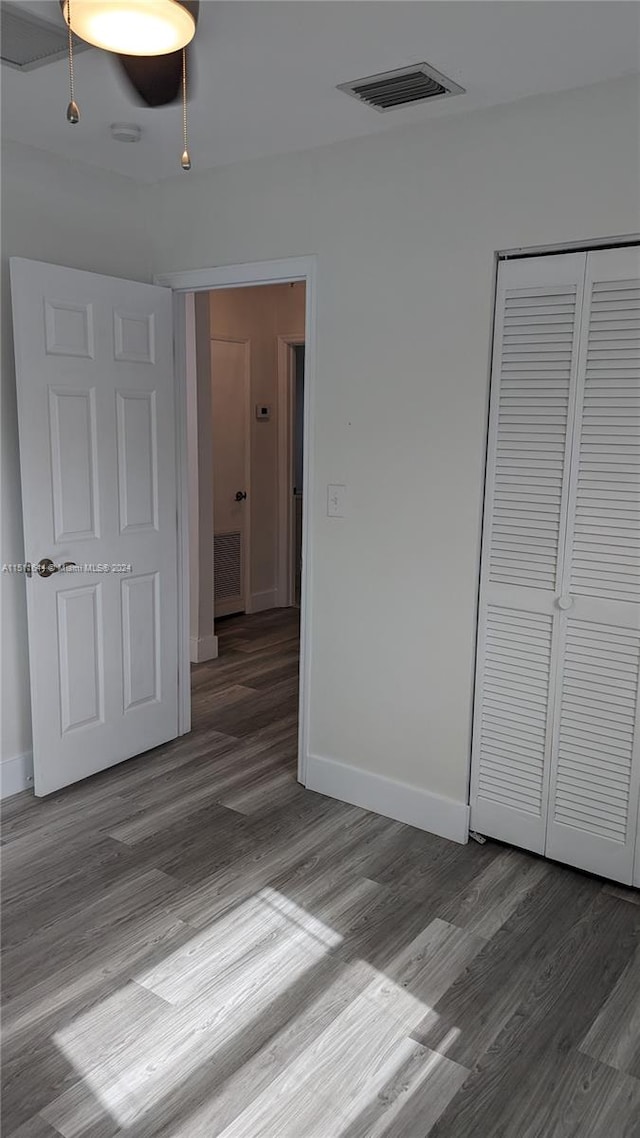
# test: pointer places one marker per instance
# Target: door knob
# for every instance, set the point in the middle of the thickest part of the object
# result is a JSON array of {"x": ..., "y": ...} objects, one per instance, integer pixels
[
  {"x": 241, "y": 495},
  {"x": 46, "y": 567},
  {"x": 565, "y": 601}
]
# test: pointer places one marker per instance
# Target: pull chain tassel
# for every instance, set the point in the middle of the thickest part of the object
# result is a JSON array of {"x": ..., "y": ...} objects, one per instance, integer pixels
[
  {"x": 185, "y": 161},
  {"x": 73, "y": 113}
]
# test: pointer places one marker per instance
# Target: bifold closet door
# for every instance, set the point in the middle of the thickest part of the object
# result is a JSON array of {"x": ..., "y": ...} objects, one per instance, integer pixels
[
  {"x": 534, "y": 372},
  {"x": 595, "y": 747}
]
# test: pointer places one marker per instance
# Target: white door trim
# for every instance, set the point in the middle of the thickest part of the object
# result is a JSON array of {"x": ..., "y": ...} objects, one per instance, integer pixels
[
  {"x": 285, "y": 468},
  {"x": 246, "y": 528},
  {"x": 237, "y": 276},
  {"x": 182, "y": 499}
]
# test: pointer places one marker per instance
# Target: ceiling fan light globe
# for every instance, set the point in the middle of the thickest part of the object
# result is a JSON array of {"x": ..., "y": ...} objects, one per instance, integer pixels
[{"x": 132, "y": 27}]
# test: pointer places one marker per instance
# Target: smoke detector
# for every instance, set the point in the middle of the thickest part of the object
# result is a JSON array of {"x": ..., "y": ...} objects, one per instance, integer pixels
[
  {"x": 125, "y": 131},
  {"x": 401, "y": 88}
]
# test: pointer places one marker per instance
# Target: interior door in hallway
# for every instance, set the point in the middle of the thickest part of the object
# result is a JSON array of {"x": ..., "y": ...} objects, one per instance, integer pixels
[
  {"x": 230, "y": 426},
  {"x": 94, "y": 373}
]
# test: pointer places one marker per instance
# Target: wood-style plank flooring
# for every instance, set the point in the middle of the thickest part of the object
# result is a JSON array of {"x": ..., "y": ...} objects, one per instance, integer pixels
[{"x": 196, "y": 946}]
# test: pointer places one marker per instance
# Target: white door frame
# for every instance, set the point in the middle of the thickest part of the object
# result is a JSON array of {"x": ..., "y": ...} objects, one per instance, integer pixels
[
  {"x": 239, "y": 276},
  {"x": 246, "y": 528},
  {"x": 286, "y": 519}
]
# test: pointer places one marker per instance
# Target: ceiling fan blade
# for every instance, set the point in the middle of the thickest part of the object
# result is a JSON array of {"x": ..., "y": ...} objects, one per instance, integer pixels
[{"x": 156, "y": 79}]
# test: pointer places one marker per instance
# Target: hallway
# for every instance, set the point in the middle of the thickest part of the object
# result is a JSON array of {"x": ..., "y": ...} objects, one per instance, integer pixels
[{"x": 253, "y": 685}]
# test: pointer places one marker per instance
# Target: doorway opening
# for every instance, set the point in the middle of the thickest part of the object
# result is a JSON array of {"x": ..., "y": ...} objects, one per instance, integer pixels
[{"x": 246, "y": 428}]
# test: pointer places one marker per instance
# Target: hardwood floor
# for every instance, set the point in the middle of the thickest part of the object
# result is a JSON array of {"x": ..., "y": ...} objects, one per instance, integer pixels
[{"x": 196, "y": 946}]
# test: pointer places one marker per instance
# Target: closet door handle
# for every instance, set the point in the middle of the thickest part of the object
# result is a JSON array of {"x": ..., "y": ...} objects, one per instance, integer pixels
[{"x": 565, "y": 601}]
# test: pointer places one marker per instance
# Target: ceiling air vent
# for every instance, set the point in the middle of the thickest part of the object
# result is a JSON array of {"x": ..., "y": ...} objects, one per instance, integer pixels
[
  {"x": 402, "y": 88},
  {"x": 29, "y": 42}
]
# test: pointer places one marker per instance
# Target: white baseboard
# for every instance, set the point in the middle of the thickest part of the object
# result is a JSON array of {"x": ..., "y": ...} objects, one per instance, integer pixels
[
  {"x": 16, "y": 774},
  {"x": 203, "y": 648},
  {"x": 393, "y": 799},
  {"x": 260, "y": 602}
]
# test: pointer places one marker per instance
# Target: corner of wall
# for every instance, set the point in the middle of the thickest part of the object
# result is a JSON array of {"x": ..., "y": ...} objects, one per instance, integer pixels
[{"x": 392, "y": 799}]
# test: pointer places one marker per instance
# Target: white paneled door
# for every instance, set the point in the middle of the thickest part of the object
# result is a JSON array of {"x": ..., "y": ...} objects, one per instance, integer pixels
[
  {"x": 555, "y": 764},
  {"x": 94, "y": 370}
]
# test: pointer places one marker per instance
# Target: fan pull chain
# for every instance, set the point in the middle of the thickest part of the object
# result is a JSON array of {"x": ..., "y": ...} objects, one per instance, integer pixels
[
  {"x": 185, "y": 161},
  {"x": 73, "y": 114}
]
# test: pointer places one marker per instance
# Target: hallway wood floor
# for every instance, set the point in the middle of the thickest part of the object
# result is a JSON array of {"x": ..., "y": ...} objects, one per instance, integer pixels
[{"x": 196, "y": 946}]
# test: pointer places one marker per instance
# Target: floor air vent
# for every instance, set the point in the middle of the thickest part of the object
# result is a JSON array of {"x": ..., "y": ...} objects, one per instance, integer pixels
[
  {"x": 402, "y": 88},
  {"x": 227, "y": 565}
]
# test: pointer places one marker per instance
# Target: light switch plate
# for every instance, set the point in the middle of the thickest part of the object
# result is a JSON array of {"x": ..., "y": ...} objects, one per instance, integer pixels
[{"x": 336, "y": 500}]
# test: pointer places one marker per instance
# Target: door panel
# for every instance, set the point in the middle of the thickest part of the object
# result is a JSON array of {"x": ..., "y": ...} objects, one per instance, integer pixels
[
  {"x": 73, "y": 436},
  {"x": 514, "y": 711},
  {"x": 230, "y": 424},
  {"x": 81, "y": 656},
  {"x": 137, "y": 431},
  {"x": 594, "y": 793},
  {"x": 94, "y": 374},
  {"x": 140, "y": 639},
  {"x": 596, "y": 768},
  {"x": 532, "y": 395}
]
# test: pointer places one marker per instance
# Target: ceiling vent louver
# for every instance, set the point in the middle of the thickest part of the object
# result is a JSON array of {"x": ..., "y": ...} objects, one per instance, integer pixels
[
  {"x": 29, "y": 42},
  {"x": 401, "y": 88}
]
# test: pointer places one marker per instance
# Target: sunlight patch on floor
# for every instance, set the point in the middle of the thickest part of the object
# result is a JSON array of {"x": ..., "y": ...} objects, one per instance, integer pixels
[
  {"x": 199, "y": 1036},
  {"x": 209, "y": 989}
]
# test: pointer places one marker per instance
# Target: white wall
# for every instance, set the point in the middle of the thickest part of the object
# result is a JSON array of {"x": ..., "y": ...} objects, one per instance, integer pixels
[
  {"x": 405, "y": 226},
  {"x": 70, "y": 214}
]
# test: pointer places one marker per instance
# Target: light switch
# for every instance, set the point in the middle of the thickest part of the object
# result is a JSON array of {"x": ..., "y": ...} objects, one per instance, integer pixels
[{"x": 336, "y": 500}]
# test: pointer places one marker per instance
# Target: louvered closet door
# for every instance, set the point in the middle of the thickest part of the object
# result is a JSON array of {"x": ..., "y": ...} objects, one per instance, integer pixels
[
  {"x": 596, "y": 762},
  {"x": 532, "y": 396}
]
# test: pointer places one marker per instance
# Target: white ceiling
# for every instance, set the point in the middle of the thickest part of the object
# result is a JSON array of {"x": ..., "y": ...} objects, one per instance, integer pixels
[{"x": 267, "y": 74}]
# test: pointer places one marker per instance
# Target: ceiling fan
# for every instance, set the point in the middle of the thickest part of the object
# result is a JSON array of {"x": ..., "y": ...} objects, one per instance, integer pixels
[{"x": 149, "y": 40}]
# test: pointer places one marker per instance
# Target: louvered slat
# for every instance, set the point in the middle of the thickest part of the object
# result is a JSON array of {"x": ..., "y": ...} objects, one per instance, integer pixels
[
  {"x": 512, "y": 730},
  {"x": 606, "y": 534},
  {"x": 534, "y": 379},
  {"x": 595, "y": 736}
]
